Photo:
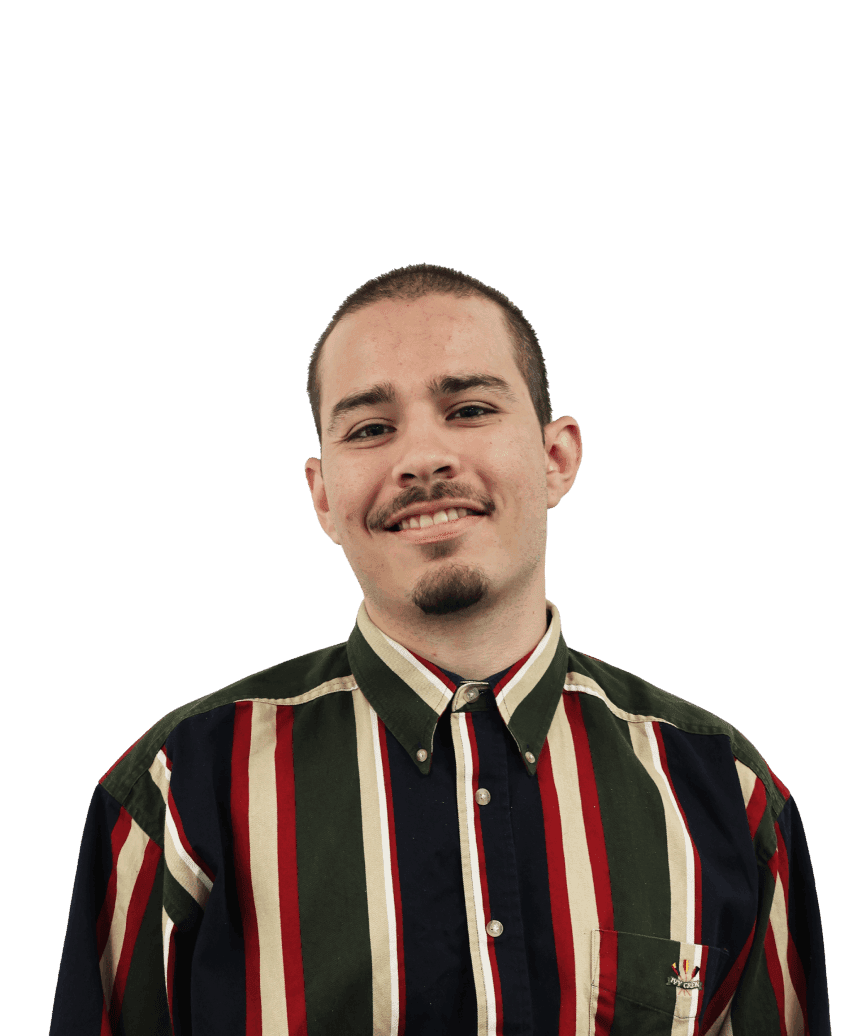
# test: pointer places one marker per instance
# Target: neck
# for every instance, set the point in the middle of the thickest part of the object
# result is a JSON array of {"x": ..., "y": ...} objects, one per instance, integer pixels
[{"x": 476, "y": 642}]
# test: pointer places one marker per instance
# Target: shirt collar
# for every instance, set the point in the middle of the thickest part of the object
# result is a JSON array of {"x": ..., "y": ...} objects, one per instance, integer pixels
[{"x": 410, "y": 694}]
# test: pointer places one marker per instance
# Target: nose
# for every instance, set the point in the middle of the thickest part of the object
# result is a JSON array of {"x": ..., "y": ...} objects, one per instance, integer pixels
[{"x": 425, "y": 455}]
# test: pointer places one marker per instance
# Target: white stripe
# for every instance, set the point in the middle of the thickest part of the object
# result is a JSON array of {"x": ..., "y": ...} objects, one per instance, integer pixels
[
  {"x": 388, "y": 874},
  {"x": 467, "y": 779},
  {"x": 689, "y": 851},
  {"x": 162, "y": 758},
  {"x": 525, "y": 669},
  {"x": 199, "y": 874},
  {"x": 436, "y": 681},
  {"x": 168, "y": 931}
]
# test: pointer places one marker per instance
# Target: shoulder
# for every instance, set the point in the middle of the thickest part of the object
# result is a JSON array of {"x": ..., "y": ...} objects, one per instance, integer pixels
[
  {"x": 298, "y": 679},
  {"x": 638, "y": 701}
]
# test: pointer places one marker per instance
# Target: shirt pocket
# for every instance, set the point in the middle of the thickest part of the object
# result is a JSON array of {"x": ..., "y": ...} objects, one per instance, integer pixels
[{"x": 643, "y": 986}]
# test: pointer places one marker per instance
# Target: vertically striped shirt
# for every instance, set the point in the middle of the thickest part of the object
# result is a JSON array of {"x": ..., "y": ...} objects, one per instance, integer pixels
[{"x": 357, "y": 841}]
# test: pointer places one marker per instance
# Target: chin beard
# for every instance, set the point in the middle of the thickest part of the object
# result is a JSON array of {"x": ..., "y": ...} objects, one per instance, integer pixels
[{"x": 450, "y": 590}]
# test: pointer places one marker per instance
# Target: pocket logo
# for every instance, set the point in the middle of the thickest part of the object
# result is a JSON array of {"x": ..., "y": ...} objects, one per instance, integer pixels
[{"x": 684, "y": 980}]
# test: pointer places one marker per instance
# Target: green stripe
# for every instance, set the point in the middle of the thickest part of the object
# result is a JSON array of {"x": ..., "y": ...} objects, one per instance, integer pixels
[
  {"x": 530, "y": 722},
  {"x": 645, "y": 1001},
  {"x": 634, "y": 825},
  {"x": 755, "y": 1006},
  {"x": 411, "y": 721},
  {"x": 331, "y": 869},
  {"x": 146, "y": 804},
  {"x": 144, "y": 1007}
]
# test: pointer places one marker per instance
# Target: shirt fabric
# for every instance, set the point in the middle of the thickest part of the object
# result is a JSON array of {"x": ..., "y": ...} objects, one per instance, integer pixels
[{"x": 357, "y": 841}]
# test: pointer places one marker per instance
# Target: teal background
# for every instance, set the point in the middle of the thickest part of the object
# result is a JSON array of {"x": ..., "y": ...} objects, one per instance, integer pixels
[{"x": 188, "y": 193}]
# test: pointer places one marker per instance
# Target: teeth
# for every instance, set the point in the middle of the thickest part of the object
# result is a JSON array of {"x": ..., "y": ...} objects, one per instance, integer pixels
[{"x": 425, "y": 520}]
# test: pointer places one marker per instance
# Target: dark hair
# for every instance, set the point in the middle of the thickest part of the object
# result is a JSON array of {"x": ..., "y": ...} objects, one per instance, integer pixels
[{"x": 413, "y": 282}]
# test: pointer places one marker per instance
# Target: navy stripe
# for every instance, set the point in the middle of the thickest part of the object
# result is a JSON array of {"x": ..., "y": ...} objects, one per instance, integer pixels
[
  {"x": 439, "y": 981},
  {"x": 805, "y": 924},
  {"x": 79, "y": 996},
  {"x": 517, "y": 873},
  {"x": 707, "y": 786},
  {"x": 200, "y": 749}
]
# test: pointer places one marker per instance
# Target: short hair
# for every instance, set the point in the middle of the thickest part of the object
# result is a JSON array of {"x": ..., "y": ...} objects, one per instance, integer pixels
[{"x": 414, "y": 282}]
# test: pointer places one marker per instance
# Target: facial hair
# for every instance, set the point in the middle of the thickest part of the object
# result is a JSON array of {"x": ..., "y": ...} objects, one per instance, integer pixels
[{"x": 450, "y": 589}]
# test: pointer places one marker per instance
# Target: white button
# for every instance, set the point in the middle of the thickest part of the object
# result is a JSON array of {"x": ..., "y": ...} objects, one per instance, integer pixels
[
  {"x": 471, "y": 694},
  {"x": 483, "y": 797},
  {"x": 494, "y": 928},
  {"x": 530, "y": 757},
  {"x": 422, "y": 755}
]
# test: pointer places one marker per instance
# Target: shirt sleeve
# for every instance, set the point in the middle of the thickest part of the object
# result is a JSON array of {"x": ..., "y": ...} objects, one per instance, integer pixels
[
  {"x": 112, "y": 976},
  {"x": 783, "y": 990}
]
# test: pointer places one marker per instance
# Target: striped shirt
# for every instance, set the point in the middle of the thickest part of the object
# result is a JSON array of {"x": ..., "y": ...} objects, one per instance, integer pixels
[{"x": 358, "y": 841}]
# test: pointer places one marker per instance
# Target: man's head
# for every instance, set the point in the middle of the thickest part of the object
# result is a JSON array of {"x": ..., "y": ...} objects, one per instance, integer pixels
[{"x": 422, "y": 398}]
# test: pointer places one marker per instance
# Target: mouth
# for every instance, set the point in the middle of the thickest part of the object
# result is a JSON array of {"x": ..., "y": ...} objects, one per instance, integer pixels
[
  {"x": 441, "y": 531},
  {"x": 438, "y": 520}
]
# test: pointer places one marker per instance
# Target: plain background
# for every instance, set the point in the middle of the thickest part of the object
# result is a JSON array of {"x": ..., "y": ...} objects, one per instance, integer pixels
[{"x": 668, "y": 192}]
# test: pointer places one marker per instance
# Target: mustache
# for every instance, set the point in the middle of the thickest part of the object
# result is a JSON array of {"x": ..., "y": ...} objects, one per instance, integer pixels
[{"x": 440, "y": 491}]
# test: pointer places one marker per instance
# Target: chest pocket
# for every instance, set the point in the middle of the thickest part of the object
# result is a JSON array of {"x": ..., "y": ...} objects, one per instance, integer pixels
[{"x": 642, "y": 986}]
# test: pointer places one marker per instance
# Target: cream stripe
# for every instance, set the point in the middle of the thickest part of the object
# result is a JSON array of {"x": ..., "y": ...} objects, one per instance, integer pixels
[
  {"x": 533, "y": 670},
  {"x": 425, "y": 684},
  {"x": 477, "y": 935},
  {"x": 723, "y": 1024},
  {"x": 583, "y": 909},
  {"x": 778, "y": 920},
  {"x": 747, "y": 781},
  {"x": 179, "y": 863},
  {"x": 128, "y": 866},
  {"x": 578, "y": 682},
  {"x": 167, "y": 927},
  {"x": 680, "y": 857},
  {"x": 686, "y": 999},
  {"x": 379, "y": 876},
  {"x": 339, "y": 683},
  {"x": 262, "y": 820}
]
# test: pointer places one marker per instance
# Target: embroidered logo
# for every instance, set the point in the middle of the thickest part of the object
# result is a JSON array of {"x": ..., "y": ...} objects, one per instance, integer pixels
[{"x": 685, "y": 980}]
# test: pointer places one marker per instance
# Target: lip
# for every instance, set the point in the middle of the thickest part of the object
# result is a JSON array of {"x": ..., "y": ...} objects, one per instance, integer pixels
[{"x": 443, "y": 531}]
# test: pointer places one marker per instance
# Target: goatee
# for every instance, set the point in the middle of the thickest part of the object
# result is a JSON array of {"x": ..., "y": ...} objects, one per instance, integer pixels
[{"x": 451, "y": 589}]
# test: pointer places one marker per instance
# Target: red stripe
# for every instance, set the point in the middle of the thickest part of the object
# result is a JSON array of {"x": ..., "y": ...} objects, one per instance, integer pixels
[
  {"x": 728, "y": 987},
  {"x": 394, "y": 869},
  {"x": 776, "y": 978},
  {"x": 607, "y": 983},
  {"x": 287, "y": 874},
  {"x": 105, "y": 915},
  {"x": 756, "y": 806},
  {"x": 796, "y": 970},
  {"x": 561, "y": 917},
  {"x": 484, "y": 884},
  {"x": 136, "y": 910},
  {"x": 698, "y": 877},
  {"x": 105, "y": 1022},
  {"x": 171, "y": 968},
  {"x": 183, "y": 838},
  {"x": 782, "y": 788},
  {"x": 596, "y": 849},
  {"x": 240, "y": 809},
  {"x": 442, "y": 676}
]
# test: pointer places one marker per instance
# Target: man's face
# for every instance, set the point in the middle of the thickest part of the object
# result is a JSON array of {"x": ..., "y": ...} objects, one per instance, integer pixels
[{"x": 478, "y": 447}]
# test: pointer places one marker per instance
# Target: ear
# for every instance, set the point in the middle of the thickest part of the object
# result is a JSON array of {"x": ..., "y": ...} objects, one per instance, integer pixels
[
  {"x": 313, "y": 473},
  {"x": 562, "y": 457}
]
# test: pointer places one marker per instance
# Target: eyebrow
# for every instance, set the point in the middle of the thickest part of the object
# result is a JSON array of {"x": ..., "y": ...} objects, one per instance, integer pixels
[{"x": 448, "y": 385}]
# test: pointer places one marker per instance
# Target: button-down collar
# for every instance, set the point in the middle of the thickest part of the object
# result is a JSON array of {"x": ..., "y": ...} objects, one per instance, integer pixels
[{"x": 410, "y": 694}]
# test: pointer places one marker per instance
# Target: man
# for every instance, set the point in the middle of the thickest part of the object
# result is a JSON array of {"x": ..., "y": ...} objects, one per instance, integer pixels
[{"x": 452, "y": 823}]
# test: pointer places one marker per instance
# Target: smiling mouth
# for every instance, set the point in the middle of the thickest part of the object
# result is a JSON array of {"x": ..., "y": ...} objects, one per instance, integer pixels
[
  {"x": 440, "y": 517},
  {"x": 439, "y": 531}
]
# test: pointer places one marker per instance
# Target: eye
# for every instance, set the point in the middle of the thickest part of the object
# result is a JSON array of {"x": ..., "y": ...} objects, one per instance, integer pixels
[
  {"x": 367, "y": 428},
  {"x": 475, "y": 406}
]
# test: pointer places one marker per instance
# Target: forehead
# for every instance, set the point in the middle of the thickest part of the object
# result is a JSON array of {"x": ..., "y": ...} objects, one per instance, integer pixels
[{"x": 410, "y": 342}]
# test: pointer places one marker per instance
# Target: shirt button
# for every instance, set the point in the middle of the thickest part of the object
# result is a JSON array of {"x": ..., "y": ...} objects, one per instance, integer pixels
[
  {"x": 471, "y": 694},
  {"x": 483, "y": 797},
  {"x": 422, "y": 755},
  {"x": 530, "y": 757},
  {"x": 494, "y": 928}
]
